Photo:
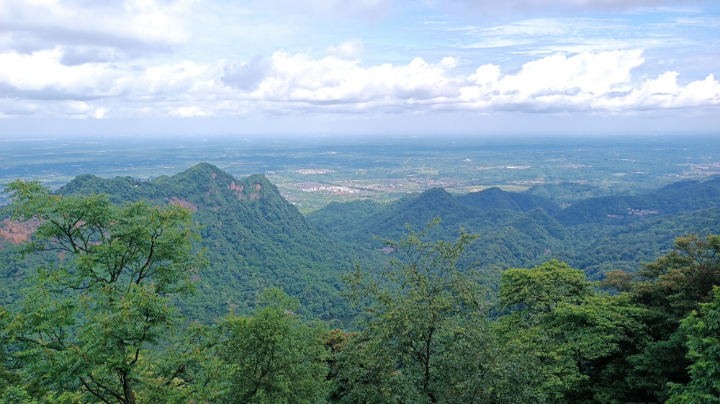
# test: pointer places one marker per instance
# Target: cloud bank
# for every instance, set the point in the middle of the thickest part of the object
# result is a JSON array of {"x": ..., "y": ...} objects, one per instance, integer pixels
[{"x": 41, "y": 84}]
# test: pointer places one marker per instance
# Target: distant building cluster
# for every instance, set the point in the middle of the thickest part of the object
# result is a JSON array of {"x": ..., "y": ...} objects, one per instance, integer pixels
[
  {"x": 636, "y": 212},
  {"x": 704, "y": 169},
  {"x": 574, "y": 166},
  {"x": 313, "y": 171},
  {"x": 388, "y": 185},
  {"x": 329, "y": 189},
  {"x": 442, "y": 182},
  {"x": 527, "y": 183},
  {"x": 641, "y": 212}
]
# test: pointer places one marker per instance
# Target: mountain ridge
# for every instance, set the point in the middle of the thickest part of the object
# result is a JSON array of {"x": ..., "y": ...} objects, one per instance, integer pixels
[{"x": 254, "y": 239}]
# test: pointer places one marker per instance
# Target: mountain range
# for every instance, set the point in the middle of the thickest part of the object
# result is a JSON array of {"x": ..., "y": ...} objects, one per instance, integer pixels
[{"x": 255, "y": 239}]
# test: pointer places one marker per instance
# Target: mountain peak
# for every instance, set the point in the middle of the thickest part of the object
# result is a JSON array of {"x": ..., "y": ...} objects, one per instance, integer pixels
[{"x": 210, "y": 182}]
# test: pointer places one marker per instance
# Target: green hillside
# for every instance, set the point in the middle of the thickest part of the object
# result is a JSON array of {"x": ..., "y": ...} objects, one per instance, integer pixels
[
  {"x": 509, "y": 237},
  {"x": 677, "y": 198},
  {"x": 523, "y": 230},
  {"x": 626, "y": 247},
  {"x": 496, "y": 198},
  {"x": 417, "y": 210},
  {"x": 571, "y": 192},
  {"x": 342, "y": 219},
  {"x": 254, "y": 239}
]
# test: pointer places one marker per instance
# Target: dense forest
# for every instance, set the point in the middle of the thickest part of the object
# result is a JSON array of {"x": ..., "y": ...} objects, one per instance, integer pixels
[{"x": 203, "y": 288}]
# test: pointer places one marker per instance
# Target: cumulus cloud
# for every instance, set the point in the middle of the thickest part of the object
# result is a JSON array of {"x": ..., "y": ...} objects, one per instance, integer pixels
[
  {"x": 188, "y": 112},
  {"x": 350, "y": 49},
  {"x": 246, "y": 76},
  {"x": 298, "y": 83}
]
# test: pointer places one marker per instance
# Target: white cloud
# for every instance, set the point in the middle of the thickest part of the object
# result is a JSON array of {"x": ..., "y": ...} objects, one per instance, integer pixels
[
  {"x": 297, "y": 83},
  {"x": 94, "y": 30},
  {"x": 188, "y": 112},
  {"x": 100, "y": 113},
  {"x": 350, "y": 49},
  {"x": 591, "y": 73}
]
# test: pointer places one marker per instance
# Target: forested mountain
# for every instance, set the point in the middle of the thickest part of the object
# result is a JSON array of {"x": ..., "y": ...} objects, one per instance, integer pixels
[
  {"x": 570, "y": 192},
  {"x": 253, "y": 237},
  {"x": 99, "y": 321},
  {"x": 673, "y": 199},
  {"x": 344, "y": 218},
  {"x": 496, "y": 198},
  {"x": 390, "y": 221},
  {"x": 520, "y": 229}
]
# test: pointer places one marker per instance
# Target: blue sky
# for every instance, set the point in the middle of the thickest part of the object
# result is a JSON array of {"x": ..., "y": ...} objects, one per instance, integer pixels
[{"x": 358, "y": 66}]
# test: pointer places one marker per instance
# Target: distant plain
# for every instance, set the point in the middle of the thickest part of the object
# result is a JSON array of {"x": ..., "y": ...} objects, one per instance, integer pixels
[{"x": 312, "y": 171}]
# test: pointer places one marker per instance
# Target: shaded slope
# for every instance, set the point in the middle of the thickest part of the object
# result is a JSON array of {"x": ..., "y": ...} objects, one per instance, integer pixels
[
  {"x": 514, "y": 239},
  {"x": 496, "y": 198},
  {"x": 673, "y": 199},
  {"x": 593, "y": 242},
  {"x": 341, "y": 219},
  {"x": 568, "y": 191},
  {"x": 626, "y": 247},
  {"x": 508, "y": 237},
  {"x": 416, "y": 210}
]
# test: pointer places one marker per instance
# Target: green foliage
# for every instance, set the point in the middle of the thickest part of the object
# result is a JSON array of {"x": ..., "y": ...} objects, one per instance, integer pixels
[
  {"x": 424, "y": 337},
  {"x": 273, "y": 357},
  {"x": 16, "y": 395},
  {"x": 571, "y": 327},
  {"x": 703, "y": 330},
  {"x": 89, "y": 321},
  {"x": 542, "y": 288},
  {"x": 521, "y": 233},
  {"x": 7, "y": 378},
  {"x": 668, "y": 290}
]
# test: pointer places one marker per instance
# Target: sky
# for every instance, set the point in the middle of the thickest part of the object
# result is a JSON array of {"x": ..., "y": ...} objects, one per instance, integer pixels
[{"x": 358, "y": 66}]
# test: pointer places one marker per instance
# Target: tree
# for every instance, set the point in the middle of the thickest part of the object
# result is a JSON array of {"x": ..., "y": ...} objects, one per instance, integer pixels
[
  {"x": 572, "y": 328},
  {"x": 273, "y": 357},
  {"x": 668, "y": 290},
  {"x": 679, "y": 281},
  {"x": 703, "y": 331},
  {"x": 93, "y": 319},
  {"x": 542, "y": 288},
  {"x": 424, "y": 336}
]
